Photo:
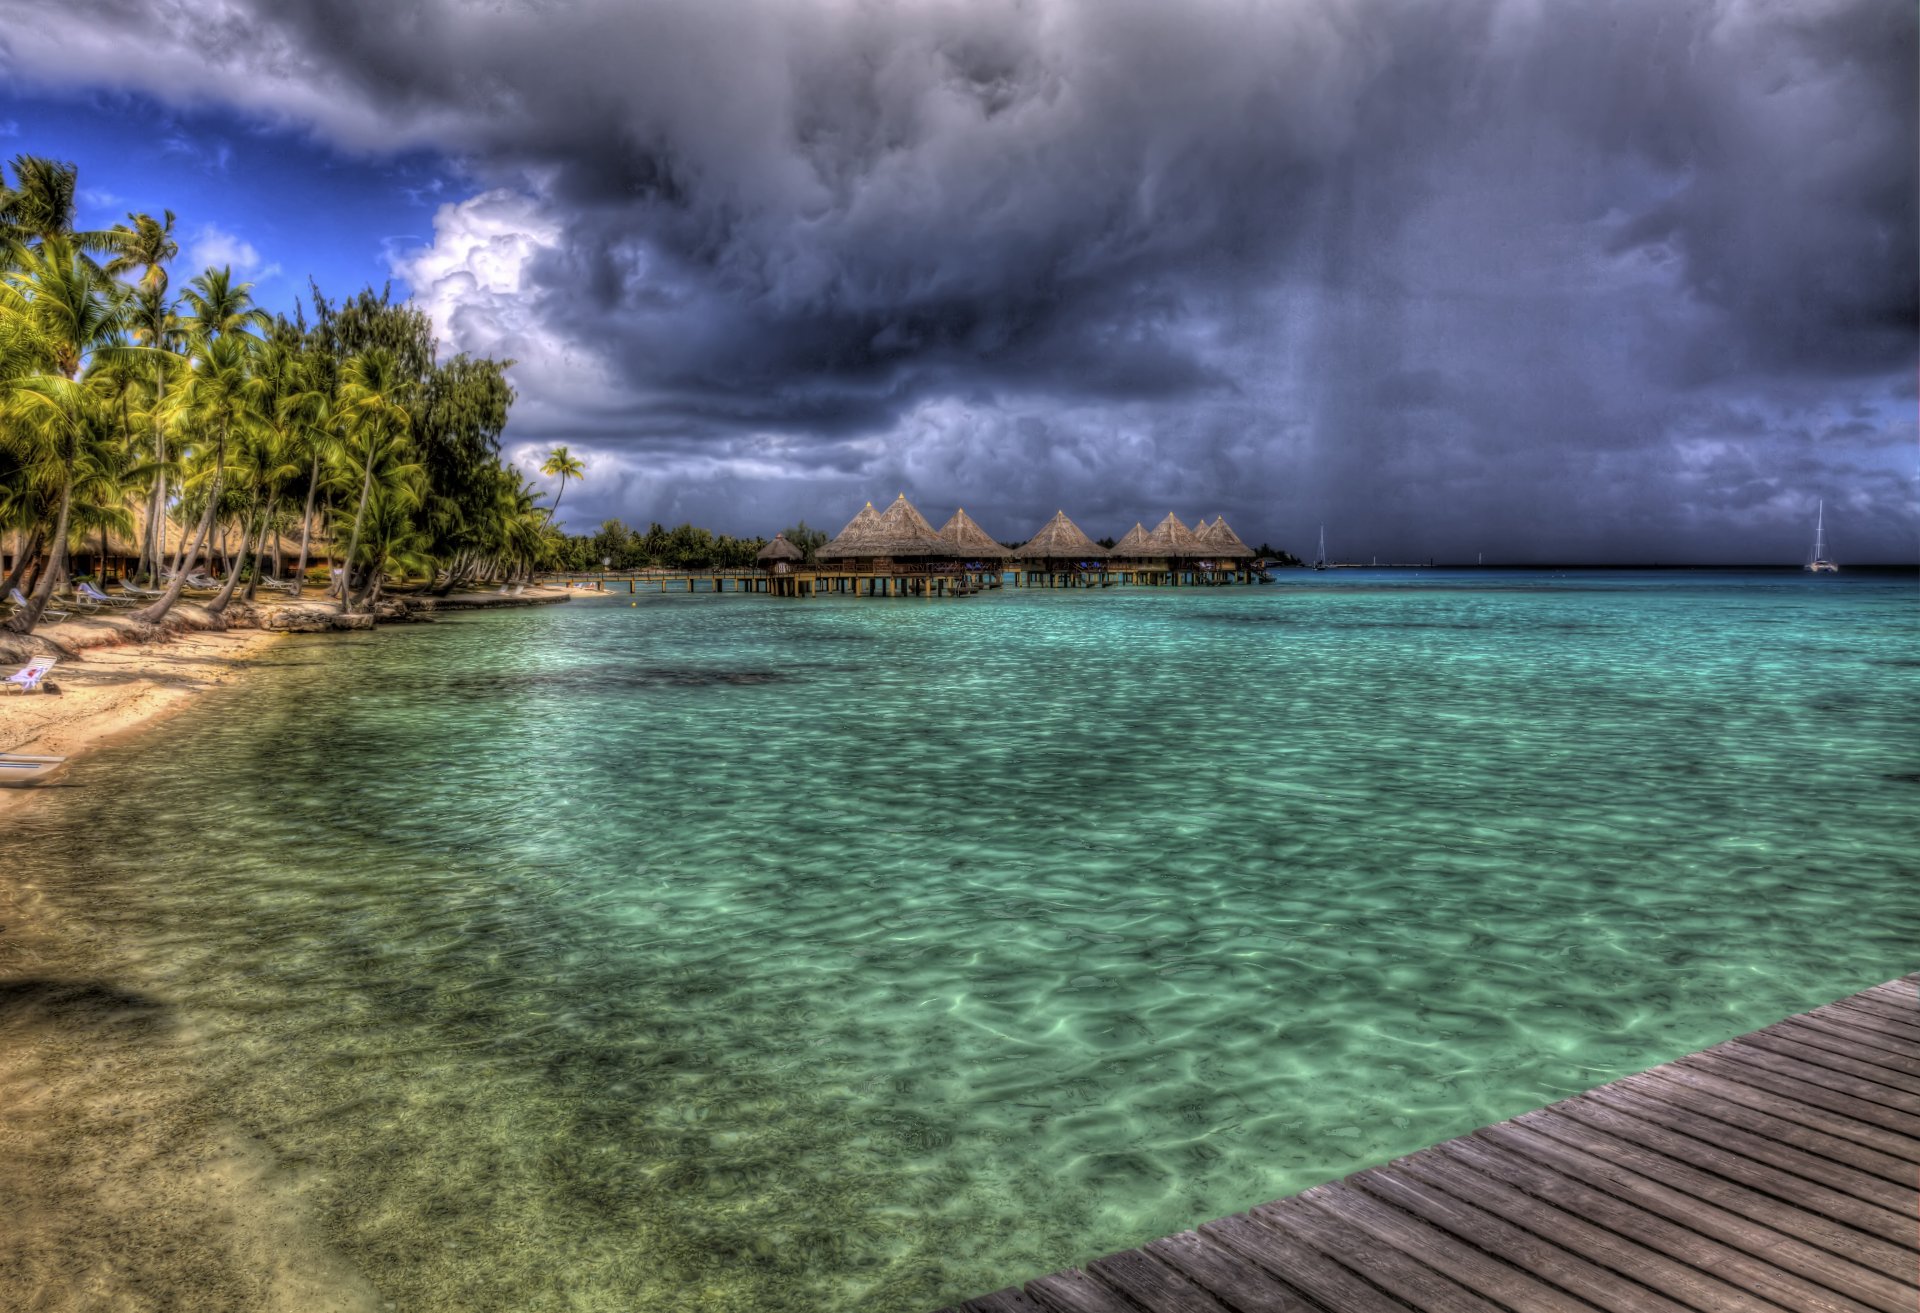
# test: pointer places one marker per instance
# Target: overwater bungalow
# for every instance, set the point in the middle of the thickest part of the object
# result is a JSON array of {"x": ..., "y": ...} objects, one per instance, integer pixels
[
  {"x": 1060, "y": 556},
  {"x": 887, "y": 553}
]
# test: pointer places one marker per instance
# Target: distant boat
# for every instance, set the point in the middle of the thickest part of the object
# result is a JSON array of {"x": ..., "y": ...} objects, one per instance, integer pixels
[
  {"x": 1321, "y": 564},
  {"x": 1820, "y": 564},
  {"x": 17, "y": 768}
]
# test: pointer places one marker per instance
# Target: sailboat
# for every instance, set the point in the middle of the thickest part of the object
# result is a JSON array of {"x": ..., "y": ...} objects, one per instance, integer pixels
[
  {"x": 1321, "y": 564},
  {"x": 1820, "y": 564}
]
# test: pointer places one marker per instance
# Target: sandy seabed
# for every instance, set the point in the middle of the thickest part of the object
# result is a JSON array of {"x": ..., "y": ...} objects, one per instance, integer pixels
[{"x": 118, "y": 1194}]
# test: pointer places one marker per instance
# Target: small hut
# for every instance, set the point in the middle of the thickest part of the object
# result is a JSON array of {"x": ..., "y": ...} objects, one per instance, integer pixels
[
  {"x": 856, "y": 540},
  {"x": 1060, "y": 554},
  {"x": 1172, "y": 541},
  {"x": 1132, "y": 546},
  {"x": 971, "y": 542},
  {"x": 779, "y": 556},
  {"x": 1222, "y": 542}
]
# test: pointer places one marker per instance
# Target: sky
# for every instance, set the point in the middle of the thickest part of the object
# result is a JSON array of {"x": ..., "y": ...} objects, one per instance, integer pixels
[{"x": 1633, "y": 280}]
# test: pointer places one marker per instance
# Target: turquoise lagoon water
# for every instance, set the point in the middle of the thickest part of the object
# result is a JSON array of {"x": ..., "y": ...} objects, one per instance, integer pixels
[{"x": 742, "y": 953}]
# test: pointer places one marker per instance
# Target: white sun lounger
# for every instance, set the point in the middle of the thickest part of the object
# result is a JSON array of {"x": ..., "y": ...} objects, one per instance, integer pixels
[
  {"x": 27, "y": 678},
  {"x": 18, "y": 768},
  {"x": 21, "y": 603}
]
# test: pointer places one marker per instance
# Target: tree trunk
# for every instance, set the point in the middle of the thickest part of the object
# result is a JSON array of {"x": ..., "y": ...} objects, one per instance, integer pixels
[
  {"x": 37, "y": 601},
  {"x": 157, "y": 612},
  {"x": 26, "y": 551},
  {"x": 353, "y": 543},
  {"x": 306, "y": 526},
  {"x": 224, "y": 597},
  {"x": 260, "y": 549}
]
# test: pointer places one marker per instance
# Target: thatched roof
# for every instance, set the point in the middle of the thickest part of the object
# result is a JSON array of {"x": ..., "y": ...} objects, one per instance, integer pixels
[
  {"x": 856, "y": 538},
  {"x": 1132, "y": 545},
  {"x": 1060, "y": 539},
  {"x": 901, "y": 531},
  {"x": 780, "y": 550},
  {"x": 1222, "y": 541},
  {"x": 973, "y": 541},
  {"x": 1172, "y": 539}
]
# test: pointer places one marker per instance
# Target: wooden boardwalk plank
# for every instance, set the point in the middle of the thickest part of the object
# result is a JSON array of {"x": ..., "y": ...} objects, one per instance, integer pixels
[
  {"x": 1778, "y": 1170},
  {"x": 1858, "y": 1044},
  {"x": 1734, "y": 1094},
  {"x": 1157, "y": 1288},
  {"x": 1816, "y": 1247},
  {"x": 1673, "y": 1130},
  {"x": 1392, "y": 1229},
  {"x": 1491, "y": 1234},
  {"x": 1386, "y": 1266}
]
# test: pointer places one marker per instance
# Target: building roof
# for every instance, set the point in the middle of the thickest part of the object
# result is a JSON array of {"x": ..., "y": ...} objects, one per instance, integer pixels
[
  {"x": 971, "y": 539},
  {"x": 1172, "y": 539},
  {"x": 900, "y": 531},
  {"x": 1133, "y": 545},
  {"x": 1060, "y": 539},
  {"x": 1222, "y": 541},
  {"x": 780, "y": 550}
]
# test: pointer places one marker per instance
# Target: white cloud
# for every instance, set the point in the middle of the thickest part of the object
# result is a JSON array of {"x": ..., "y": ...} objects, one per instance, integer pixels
[
  {"x": 475, "y": 282},
  {"x": 9, "y": 128},
  {"x": 214, "y": 247}
]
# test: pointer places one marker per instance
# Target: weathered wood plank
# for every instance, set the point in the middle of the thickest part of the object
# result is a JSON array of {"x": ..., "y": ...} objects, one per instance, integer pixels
[
  {"x": 1468, "y": 1173},
  {"x": 1386, "y": 1266},
  {"x": 1232, "y": 1279},
  {"x": 1788, "y": 1044},
  {"x": 1859, "y": 1044},
  {"x": 1682, "y": 1188},
  {"x": 1074, "y": 1291},
  {"x": 1300, "y": 1265},
  {"x": 1857, "y": 1024},
  {"x": 1814, "y": 1272},
  {"x": 1734, "y": 1095},
  {"x": 1893, "y": 1020},
  {"x": 1399, "y": 1231},
  {"x": 1824, "y": 1077},
  {"x": 1491, "y": 1234},
  {"x": 1795, "y": 1088},
  {"x": 1642, "y": 1224},
  {"x": 1157, "y": 1288},
  {"x": 1673, "y": 1130}
]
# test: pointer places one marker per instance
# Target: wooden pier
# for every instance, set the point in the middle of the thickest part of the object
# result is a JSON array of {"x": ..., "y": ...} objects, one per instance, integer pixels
[
  {"x": 901, "y": 580},
  {"x": 1776, "y": 1171}
]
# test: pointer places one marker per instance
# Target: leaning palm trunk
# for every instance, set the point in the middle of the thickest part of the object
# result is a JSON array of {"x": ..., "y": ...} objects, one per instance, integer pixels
[
  {"x": 26, "y": 552},
  {"x": 306, "y": 527},
  {"x": 260, "y": 549},
  {"x": 154, "y": 614},
  {"x": 56, "y": 563},
  {"x": 353, "y": 543},
  {"x": 224, "y": 597}
]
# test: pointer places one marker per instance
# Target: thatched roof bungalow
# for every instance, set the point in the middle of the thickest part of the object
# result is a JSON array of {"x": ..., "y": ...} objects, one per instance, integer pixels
[
  {"x": 1173, "y": 541},
  {"x": 901, "y": 534},
  {"x": 779, "y": 556},
  {"x": 1222, "y": 542},
  {"x": 1059, "y": 542},
  {"x": 971, "y": 542},
  {"x": 1132, "y": 546}
]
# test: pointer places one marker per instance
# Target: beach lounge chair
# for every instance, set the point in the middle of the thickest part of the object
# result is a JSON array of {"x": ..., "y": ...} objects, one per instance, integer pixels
[
  {"x": 282, "y": 585},
  {"x": 87, "y": 592},
  {"x": 27, "y": 678},
  {"x": 136, "y": 592},
  {"x": 20, "y": 603}
]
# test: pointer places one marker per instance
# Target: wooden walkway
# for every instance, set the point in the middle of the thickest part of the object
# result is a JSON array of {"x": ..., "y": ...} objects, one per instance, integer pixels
[{"x": 1779, "y": 1170}]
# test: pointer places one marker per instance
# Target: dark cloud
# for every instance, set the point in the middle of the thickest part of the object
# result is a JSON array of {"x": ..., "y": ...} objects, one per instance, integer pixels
[{"x": 1539, "y": 280}]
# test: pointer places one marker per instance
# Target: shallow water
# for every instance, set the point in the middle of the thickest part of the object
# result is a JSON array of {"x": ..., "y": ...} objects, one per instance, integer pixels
[{"x": 869, "y": 954}]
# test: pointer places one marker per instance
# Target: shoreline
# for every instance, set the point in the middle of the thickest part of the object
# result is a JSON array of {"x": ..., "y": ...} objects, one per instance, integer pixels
[{"x": 112, "y": 682}]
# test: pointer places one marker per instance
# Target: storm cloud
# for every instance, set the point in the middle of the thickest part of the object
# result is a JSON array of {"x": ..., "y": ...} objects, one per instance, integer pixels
[{"x": 1632, "y": 280}]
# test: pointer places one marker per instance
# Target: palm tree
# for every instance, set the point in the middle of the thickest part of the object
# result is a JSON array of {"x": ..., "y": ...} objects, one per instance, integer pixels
[
  {"x": 375, "y": 423},
  {"x": 218, "y": 399},
  {"x": 154, "y": 325},
  {"x": 75, "y": 312},
  {"x": 40, "y": 205},
  {"x": 146, "y": 246},
  {"x": 563, "y": 465}
]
